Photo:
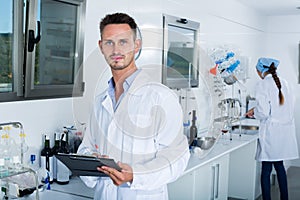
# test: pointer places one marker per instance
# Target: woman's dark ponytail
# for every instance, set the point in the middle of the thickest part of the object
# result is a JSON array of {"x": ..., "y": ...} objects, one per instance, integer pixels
[{"x": 272, "y": 71}]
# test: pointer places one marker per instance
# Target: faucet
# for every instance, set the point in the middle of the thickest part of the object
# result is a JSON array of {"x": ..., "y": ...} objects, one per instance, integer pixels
[{"x": 248, "y": 98}]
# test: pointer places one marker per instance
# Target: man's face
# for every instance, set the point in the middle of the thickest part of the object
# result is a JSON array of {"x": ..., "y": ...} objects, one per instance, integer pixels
[{"x": 118, "y": 45}]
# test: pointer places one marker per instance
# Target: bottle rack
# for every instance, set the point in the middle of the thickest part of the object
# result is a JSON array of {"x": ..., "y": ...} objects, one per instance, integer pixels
[{"x": 23, "y": 169}]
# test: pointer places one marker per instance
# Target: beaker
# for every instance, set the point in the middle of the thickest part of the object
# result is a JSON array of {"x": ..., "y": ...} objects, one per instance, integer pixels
[{"x": 225, "y": 132}]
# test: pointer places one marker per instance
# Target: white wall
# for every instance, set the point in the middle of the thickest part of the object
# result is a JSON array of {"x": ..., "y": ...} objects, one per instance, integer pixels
[
  {"x": 38, "y": 118},
  {"x": 221, "y": 22}
]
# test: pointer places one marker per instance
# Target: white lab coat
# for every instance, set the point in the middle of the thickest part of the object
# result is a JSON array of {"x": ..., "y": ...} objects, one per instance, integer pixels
[
  {"x": 145, "y": 132},
  {"x": 277, "y": 135}
]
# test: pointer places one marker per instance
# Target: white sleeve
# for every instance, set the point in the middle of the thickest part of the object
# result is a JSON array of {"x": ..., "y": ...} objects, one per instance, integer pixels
[
  {"x": 87, "y": 147},
  {"x": 263, "y": 106}
]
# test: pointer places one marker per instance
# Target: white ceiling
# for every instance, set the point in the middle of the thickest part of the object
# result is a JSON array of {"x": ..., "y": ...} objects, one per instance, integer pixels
[{"x": 274, "y": 7}]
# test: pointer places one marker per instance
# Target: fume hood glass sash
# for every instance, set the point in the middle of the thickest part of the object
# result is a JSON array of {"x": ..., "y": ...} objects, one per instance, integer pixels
[{"x": 180, "y": 52}]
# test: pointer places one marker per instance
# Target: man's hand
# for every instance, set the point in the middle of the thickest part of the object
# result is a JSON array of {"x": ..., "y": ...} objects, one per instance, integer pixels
[{"x": 118, "y": 178}]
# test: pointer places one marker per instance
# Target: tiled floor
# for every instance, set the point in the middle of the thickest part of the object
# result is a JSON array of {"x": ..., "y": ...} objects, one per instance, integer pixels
[{"x": 293, "y": 175}]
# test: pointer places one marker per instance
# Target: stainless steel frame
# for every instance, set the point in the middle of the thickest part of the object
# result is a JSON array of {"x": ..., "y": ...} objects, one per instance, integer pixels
[{"x": 186, "y": 24}]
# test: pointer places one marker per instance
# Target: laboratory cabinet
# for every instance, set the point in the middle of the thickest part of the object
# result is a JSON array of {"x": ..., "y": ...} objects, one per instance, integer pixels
[
  {"x": 227, "y": 171},
  {"x": 209, "y": 181},
  {"x": 244, "y": 173},
  {"x": 182, "y": 188}
]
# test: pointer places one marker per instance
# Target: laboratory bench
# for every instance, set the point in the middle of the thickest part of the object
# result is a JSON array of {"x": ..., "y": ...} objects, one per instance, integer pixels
[{"x": 229, "y": 169}]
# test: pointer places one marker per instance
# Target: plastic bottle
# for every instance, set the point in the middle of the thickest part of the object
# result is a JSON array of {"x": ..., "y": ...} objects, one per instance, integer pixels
[
  {"x": 47, "y": 159},
  {"x": 193, "y": 128},
  {"x": 63, "y": 172}
]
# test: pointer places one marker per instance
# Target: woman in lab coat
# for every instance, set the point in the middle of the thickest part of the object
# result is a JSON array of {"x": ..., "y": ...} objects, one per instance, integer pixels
[
  {"x": 277, "y": 137},
  {"x": 140, "y": 127}
]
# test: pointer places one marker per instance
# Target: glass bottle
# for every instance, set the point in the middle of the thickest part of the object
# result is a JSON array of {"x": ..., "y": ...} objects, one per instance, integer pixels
[
  {"x": 193, "y": 128},
  {"x": 55, "y": 150},
  {"x": 63, "y": 172},
  {"x": 47, "y": 159}
]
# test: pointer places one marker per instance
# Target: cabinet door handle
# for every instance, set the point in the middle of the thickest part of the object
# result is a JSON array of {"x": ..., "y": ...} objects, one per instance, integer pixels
[
  {"x": 213, "y": 182},
  {"x": 217, "y": 180}
]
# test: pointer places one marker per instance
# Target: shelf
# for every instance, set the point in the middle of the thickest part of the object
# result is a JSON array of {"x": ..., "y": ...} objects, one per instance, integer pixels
[{"x": 14, "y": 173}]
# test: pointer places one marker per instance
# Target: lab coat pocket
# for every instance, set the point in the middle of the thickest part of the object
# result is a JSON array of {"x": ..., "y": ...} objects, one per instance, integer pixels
[{"x": 157, "y": 194}]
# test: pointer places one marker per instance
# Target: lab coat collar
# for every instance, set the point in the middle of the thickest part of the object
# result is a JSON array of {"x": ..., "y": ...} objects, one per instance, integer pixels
[
  {"x": 107, "y": 103},
  {"x": 141, "y": 79}
]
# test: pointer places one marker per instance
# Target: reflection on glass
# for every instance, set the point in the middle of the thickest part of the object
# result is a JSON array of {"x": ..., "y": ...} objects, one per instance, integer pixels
[
  {"x": 6, "y": 46},
  {"x": 180, "y": 57},
  {"x": 55, "y": 54}
]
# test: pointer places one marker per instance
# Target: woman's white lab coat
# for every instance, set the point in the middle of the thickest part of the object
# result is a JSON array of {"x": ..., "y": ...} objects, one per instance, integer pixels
[
  {"x": 277, "y": 136},
  {"x": 145, "y": 132}
]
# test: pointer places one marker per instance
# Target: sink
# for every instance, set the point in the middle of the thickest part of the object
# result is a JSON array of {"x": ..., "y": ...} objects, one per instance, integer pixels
[
  {"x": 205, "y": 142},
  {"x": 246, "y": 127}
]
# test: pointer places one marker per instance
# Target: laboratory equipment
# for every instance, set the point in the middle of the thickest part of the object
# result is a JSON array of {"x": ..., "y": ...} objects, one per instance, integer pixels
[
  {"x": 14, "y": 158},
  {"x": 180, "y": 52},
  {"x": 230, "y": 112},
  {"x": 227, "y": 126},
  {"x": 204, "y": 142}
]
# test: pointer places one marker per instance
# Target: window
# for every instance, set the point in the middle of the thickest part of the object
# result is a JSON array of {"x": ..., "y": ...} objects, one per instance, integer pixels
[
  {"x": 41, "y": 49},
  {"x": 180, "y": 52}
]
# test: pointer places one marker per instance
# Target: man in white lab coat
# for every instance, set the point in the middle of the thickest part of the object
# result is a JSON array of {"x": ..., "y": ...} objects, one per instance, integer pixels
[
  {"x": 135, "y": 121},
  {"x": 277, "y": 135}
]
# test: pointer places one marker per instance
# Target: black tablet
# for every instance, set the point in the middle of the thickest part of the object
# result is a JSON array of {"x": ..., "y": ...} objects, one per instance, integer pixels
[{"x": 85, "y": 165}]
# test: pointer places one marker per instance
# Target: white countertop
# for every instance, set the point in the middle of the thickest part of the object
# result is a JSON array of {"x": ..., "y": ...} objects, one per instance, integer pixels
[
  {"x": 218, "y": 150},
  {"x": 77, "y": 190}
]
